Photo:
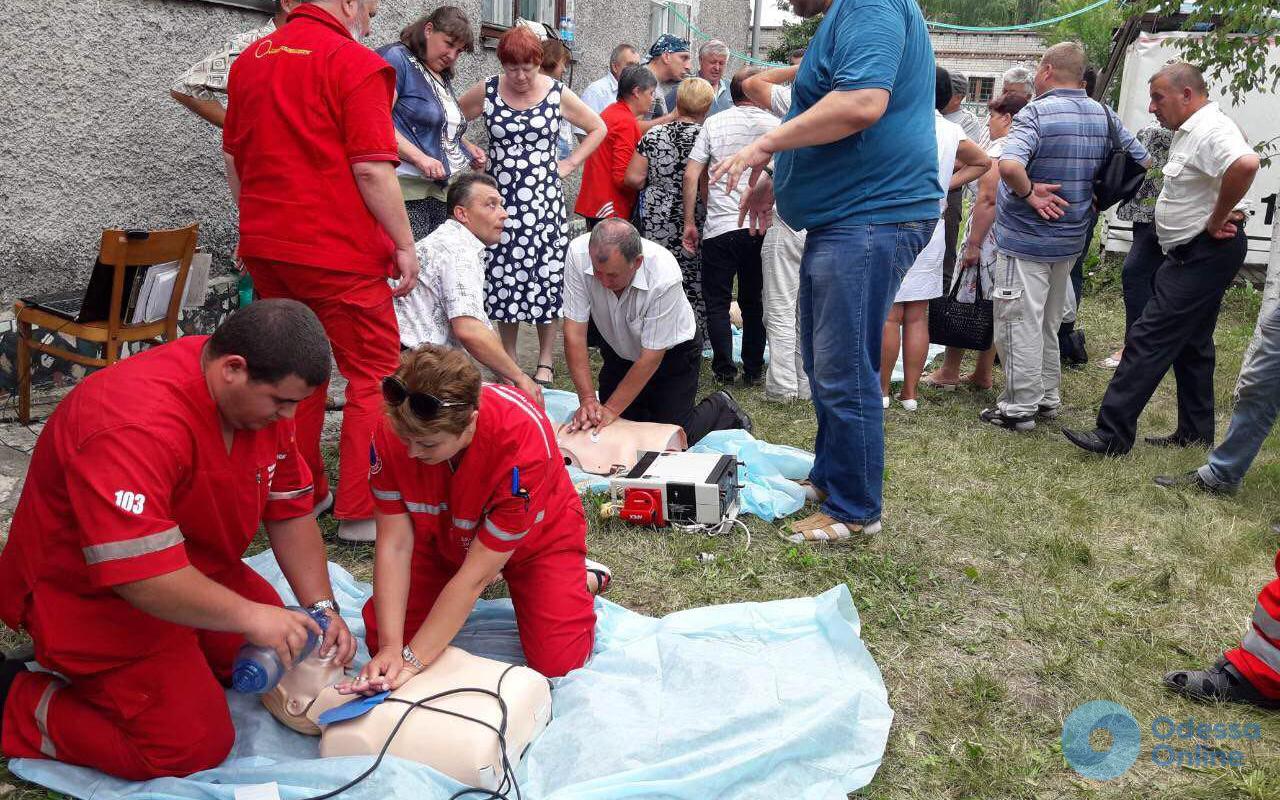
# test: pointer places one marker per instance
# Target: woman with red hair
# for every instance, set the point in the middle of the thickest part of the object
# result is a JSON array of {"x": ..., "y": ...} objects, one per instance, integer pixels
[{"x": 523, "y": 111}]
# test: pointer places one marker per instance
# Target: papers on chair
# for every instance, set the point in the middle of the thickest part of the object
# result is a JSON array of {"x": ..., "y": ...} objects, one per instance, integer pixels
[{"x": 152, "y": 303}]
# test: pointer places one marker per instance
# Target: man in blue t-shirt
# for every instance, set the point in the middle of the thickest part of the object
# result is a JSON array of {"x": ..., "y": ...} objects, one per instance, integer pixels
[{"x": 857, "y": 166}]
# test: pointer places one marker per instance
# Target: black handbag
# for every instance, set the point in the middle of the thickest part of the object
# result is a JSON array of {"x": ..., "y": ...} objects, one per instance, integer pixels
[
  {"x": 966, "y": 325},
  {"x": 1120, "y": 176}
]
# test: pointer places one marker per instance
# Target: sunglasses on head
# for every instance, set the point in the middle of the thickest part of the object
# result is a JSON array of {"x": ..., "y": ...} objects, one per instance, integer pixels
[{"x": 424, "y": 406}]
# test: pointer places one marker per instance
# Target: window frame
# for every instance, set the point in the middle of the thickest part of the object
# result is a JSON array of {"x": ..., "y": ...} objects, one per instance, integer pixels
[
  {"x": 661, "y": 7},
  {"x": 492, "y": 30},
  {"x": 265, "y": 6},
  {"x": 977, "y": 85}
]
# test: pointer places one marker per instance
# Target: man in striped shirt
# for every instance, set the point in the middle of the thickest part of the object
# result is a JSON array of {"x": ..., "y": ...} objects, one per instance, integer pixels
[{"x": 1057, "y": 144}]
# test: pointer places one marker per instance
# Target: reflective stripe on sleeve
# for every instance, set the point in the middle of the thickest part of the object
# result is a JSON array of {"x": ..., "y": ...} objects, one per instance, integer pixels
[
  {"x": 425, "y": 508},
  {"x": 132, "y": 548},
  {"x": 511, "y": 537},
  {"x": 385, "y": 495},
  {"x": 42, "y": 718},
  {"x": 465, "y": 524},
  {"x": 1265, "y": 651},
  {"x": 291, "y": 495},
  {"x": 1266, "y": 623}
]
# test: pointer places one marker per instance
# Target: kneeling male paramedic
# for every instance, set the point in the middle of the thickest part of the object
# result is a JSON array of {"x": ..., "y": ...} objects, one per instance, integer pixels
[
  {"x": 469, "y": 484},
  {"x": 123, "y": 561}
]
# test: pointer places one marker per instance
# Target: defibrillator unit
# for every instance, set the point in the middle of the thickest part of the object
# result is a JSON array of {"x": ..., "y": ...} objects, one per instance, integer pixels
[{"x": 684, "y": 488}]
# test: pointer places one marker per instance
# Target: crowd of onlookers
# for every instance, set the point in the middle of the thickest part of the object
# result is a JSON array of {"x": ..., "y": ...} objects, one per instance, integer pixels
[{"x": 827, "y": 197}]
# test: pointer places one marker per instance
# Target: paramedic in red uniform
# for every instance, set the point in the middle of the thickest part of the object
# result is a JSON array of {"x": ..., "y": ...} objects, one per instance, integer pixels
[
  {"x": 123, "y": 561},
  {"x": 469, "y": 483},
  {"x": 1251, "y": 672},
  {"x": 311, "y": 158}
]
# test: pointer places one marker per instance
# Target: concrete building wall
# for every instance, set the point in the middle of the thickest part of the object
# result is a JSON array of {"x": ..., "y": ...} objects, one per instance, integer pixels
[
  {"x": 89, "y": 137},
  {"x": 986, "y": 55}
]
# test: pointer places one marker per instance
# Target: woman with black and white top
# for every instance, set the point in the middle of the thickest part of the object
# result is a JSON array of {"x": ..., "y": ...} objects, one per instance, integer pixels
[{"x": 429, "y": 124}]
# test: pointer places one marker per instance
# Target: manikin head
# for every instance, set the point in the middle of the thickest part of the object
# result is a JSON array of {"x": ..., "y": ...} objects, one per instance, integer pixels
[
  {"x": 1177, "y": 91},
  {"x": 473, "y": 200},
  {"x": 616, "y": 253},
  {"x": 264, "y": 360},
  {"x": 447, "y": 376},
  {"x": 356, "y": 15},
  {"x": 713, "y": 55},
  {"x": 623, "y": 56},
  {"x": 1062, "y": 67}
]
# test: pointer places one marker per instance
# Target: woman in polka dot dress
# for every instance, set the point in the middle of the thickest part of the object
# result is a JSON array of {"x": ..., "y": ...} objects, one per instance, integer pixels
[{"x": 522, "y": 110}]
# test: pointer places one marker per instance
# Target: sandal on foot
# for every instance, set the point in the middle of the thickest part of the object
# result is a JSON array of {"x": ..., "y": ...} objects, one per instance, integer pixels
[
  {"x": 1220, "y": 683},
  {"x": 603, "y": 577},
  {"x": 934, "y": 383},
  {"x": 968, "y": 380},
  {"x": 824, "y": 528},
  {"x": 549, "y": 382}
]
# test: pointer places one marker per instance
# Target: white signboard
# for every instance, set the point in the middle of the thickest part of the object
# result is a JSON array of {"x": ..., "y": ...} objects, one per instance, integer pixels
[{"x": 1257, "y": 114}]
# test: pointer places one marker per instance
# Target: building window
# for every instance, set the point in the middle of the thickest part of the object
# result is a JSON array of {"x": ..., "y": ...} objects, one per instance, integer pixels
[
  {"x": 268, "y": 6},
  {"x": 662, "y": 20},
  {"x": 503, "y": 13},
  {"x": 981, "y": 89}
]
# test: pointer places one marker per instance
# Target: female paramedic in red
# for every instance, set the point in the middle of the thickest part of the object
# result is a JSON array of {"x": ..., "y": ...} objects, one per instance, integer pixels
[{"x": 468, "y": 483}]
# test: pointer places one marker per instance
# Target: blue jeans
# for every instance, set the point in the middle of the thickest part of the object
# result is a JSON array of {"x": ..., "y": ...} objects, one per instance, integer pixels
[
  {"x": 1254, "y": 414},
  {"x": 848, "y": 277}
]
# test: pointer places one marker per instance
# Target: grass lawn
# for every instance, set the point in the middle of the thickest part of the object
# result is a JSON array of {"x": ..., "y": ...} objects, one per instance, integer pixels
[{"x": 1016, "y": 578}]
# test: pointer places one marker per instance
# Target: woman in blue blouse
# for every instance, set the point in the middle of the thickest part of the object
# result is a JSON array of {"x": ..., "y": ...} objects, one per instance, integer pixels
[{"x": 429, "y": 124}]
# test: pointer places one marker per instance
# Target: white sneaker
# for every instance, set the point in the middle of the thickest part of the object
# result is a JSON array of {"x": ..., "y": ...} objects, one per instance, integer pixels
[
  {"x": 887, "y": 400},
  {"x": 357, "y": 530},
  {"x": 910, "y": 405},
  {"x": 324, "y": 505}
]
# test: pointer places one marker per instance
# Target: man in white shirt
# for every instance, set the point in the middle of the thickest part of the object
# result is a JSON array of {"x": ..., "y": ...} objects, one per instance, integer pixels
[
  {"x": 1201, "y": 231},
  {"x": 199, "y": 88},
  {"x": 446, "y": 307},
  {"x": 729, "y": 249},
  {"x": 604, "y": 92},
  {"x": 628, "y": 293}
]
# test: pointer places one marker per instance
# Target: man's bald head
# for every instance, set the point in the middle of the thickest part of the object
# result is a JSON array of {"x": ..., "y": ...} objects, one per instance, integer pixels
[{"x": 1067, "y": 62}]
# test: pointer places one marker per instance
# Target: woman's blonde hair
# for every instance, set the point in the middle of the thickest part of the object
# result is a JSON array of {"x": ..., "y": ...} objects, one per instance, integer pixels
[
  {"x": 694, "y": 96},
  {"x": 446, "y": 373}
]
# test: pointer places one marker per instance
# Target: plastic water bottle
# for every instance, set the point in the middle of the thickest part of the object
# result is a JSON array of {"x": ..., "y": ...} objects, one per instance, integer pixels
[
  {"x": 258, "y": 669},
  {"x": 244, "y": 289}
]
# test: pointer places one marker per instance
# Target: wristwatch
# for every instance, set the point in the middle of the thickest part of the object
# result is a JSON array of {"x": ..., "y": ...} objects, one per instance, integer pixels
[
  {"x": 411, "y": 659},
  {"x": 326, "y": 605}
]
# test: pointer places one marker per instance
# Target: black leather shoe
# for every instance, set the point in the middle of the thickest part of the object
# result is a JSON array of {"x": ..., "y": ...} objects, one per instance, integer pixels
[
  {"x": 1191, "y": 480},
  {"x": 1091, "y": 441},
  {"x": 743, "y": 418},
  {"x": 1176, "y": 439}
]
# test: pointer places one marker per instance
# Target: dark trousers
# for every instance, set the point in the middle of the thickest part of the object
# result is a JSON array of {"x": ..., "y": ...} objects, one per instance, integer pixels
[
  {"x": 951, "y": 233},
  {"x": 724, "y": 257},
  {"x": 1138, "y": 274},
  {"x": 1175, "y": 329},
  {"x": 669, "y": 395}
]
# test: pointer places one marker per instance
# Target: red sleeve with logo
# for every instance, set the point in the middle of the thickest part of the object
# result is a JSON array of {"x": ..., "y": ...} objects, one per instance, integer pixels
[
  {"x": 120, "y": 483},
  {"x": 292, "y": 492},
  {"x": 385, "y": 449}
]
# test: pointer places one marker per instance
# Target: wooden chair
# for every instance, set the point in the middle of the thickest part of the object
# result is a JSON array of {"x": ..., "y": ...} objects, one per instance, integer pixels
[{"x": 119, "y": 250}]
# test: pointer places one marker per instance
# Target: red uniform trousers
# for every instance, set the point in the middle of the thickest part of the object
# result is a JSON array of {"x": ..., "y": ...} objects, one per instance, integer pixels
[
  {"x": 1258, "y": 656},
  {"x": 138, "y": 717},
  {"x": 358, "y": 317},
  {"x": 555, "y": 614}
]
